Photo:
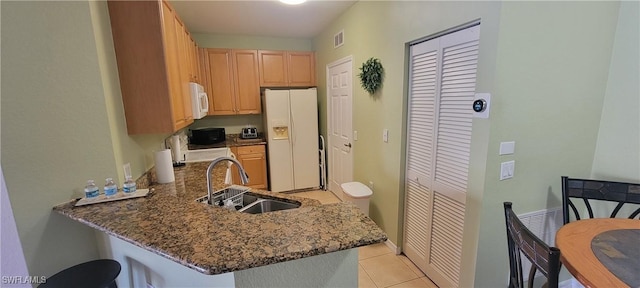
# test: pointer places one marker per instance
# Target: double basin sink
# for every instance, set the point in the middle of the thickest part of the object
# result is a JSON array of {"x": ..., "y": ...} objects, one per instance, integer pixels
[{"x": 243, "y": 201}]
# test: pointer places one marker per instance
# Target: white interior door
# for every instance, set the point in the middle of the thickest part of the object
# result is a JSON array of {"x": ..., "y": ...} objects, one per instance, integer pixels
[
  {"x": 340, "y": 91},
  {"x": 441, "y": 92}
]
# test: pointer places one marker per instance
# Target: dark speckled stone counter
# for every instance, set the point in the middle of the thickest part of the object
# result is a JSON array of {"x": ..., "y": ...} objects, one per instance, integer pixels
[{"x": 213, "y": 240}]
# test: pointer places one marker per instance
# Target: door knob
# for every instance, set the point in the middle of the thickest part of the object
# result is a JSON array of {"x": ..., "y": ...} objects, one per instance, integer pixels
[{"x": 348, "y": 145}]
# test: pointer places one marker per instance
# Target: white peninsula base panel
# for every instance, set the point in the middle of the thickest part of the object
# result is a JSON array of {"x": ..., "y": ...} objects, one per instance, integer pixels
[
  {"x": 145, "y": 269},
  {"x": 142, "y": 268}
]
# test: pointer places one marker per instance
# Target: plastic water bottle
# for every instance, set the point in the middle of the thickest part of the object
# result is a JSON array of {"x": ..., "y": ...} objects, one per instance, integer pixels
[
  {"x": 129, "y": 186},
  {"x": 110, "y": 188},
  {"x": 91, "y": 190}
]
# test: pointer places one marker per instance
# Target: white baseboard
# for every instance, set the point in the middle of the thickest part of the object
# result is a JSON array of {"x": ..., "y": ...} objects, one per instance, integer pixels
[{"x": 393, "y": 247}]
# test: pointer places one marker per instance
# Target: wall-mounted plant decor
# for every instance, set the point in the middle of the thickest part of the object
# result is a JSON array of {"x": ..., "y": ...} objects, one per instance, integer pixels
[{"x": 371, "y": 74}]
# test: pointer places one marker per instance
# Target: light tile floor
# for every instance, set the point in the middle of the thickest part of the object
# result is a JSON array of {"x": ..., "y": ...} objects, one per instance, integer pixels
[{"x": 378, "y": 266}]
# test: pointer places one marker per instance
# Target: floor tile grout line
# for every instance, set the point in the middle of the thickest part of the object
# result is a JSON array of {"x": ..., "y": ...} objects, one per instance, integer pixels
[
  {"x": 402, "y": 282},
  {"x": 372, "y": 256},
  {"x": 369, "y": 276}
]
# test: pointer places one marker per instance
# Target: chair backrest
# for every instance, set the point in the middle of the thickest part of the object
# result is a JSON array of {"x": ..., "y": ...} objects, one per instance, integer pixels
[
  {"x": 542, "y": 257},
  {"x": 591, "y": 191}
]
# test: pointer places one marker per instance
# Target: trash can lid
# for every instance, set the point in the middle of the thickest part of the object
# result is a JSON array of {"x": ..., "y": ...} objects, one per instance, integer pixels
[{"x": 356, "y": 189}]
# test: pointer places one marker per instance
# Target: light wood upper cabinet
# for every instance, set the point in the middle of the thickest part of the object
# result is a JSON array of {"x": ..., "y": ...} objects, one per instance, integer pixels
[
  {"x": 254, "y": 161},
  {"x": 302, "y": 68},
  {"x": 195, "y": 64},
  {"x": 203, "y": 70},
  {"x": 273, "y": 68},
  {"x": 233, "y": 85},
  {"x": 221, "y": 87},
  {"x": 185, "y": 67},
  {"x": 287, "y": 68},
  {"x": 147, "y": 39},
  {"x": 245, "y": 68}
]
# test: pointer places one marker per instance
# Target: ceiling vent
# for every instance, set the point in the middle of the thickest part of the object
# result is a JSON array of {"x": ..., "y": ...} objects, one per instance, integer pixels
[{"x": 338, "y": 39}]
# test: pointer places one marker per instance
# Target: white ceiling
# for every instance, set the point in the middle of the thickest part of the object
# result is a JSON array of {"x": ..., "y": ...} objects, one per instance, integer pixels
[{"x": 260, "y": 18}]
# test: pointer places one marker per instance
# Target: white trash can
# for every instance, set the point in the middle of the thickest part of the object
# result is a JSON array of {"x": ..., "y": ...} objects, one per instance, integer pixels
[{"x": 358, "y": 194}]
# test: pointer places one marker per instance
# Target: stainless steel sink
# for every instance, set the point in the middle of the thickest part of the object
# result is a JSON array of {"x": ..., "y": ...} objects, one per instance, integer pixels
[
  {"x": 249, "y": 202},
  {"x": 268, "y": 205}
]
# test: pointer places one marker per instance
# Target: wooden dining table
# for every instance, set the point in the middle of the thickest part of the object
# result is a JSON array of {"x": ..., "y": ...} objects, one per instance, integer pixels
[{"x": 601, "y": 252}]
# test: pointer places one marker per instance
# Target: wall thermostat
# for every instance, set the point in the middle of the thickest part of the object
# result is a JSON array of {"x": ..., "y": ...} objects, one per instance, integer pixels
[{"x": 481, "y": 105}]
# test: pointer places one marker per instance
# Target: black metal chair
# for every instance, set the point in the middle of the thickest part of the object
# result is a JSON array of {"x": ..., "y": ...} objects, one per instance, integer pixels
[
  {"x": 592, "y": 191},
  {"x": 100, "y": 273},
  {"x": 542, "y": 257}
]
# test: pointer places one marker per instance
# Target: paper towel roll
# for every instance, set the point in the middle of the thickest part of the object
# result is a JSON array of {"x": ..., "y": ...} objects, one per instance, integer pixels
[
  {"x": 175, "y": 148},
  {"x": 164, "y": 166}
]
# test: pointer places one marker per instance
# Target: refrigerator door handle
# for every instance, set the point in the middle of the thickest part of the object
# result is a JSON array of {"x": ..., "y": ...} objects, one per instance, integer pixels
[{"x": 292, "y": 134}]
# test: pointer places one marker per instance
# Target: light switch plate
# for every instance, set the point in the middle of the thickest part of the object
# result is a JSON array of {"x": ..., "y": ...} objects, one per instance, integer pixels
[
  {"x": 507, "y": 169},
  {"x": 385, "y": 135},
  {"x": 507, "y": 148},
  {"x": 355, "y": 135}
]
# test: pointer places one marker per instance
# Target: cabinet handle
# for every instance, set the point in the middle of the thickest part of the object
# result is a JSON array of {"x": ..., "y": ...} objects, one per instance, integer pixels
[{"x": 348, "y": 145}]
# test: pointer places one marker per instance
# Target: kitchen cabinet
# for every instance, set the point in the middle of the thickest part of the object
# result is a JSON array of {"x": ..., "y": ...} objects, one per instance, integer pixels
[
  {"x": 254, "y": 161},
  {"x": 203, "y": 70},
  {"x": 149, "y": 41},
  {"x": 233, "y": 81},
  {"x": 287, "y": 68}
]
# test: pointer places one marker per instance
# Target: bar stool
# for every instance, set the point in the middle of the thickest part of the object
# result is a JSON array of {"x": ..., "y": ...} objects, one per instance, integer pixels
[{"x": 100, "y": 273}]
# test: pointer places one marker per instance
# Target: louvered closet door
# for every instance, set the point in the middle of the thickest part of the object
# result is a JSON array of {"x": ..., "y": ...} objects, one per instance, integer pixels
[{"x": 441, "y": 90}]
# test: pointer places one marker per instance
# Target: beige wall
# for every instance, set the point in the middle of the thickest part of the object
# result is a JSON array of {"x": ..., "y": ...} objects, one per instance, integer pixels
[
  {"x": 55, "y": 133},
  {"x": 617, "y": 155},
  {"x": 251, "y": 42},
  {"x": 551, "y": 75},
  {"x": 62, "y": 123},
  {"x": 546, "y": 65}
]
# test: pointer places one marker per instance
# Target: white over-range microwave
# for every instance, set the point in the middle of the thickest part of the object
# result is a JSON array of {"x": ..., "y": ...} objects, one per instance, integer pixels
[{"x": 199, "y": 101}]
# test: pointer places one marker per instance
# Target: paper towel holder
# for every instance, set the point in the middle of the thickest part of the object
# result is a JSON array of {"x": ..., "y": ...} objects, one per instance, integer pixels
[{"x": 175, "y": 151}]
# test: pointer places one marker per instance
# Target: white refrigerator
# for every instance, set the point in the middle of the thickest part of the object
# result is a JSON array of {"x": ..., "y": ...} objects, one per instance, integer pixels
[{"x": 291, "y": 120}]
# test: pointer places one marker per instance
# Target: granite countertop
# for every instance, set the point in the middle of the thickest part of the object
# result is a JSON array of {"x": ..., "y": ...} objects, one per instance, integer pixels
[
  {"x": 232, "y": 140},
  {"x": 214, "y": 240}
]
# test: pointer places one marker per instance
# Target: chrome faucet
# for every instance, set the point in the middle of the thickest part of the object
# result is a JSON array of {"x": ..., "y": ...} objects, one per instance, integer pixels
[{"x": 243, "y": 175}]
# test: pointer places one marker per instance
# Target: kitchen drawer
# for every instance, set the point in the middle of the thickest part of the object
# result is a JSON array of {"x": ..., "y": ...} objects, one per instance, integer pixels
[{"x": 242, "y": 150}]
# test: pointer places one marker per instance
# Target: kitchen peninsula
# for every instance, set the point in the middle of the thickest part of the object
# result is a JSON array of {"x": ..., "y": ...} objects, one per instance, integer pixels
[{"x": 168, "y": 239}]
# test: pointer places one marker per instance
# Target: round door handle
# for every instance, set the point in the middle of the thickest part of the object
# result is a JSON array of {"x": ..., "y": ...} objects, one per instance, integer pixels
[{"x": 348, "y": 145}]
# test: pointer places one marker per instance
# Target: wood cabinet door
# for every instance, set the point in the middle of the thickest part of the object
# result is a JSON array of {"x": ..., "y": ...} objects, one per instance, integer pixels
[
  {"x": 203, "y": 69},
  {"x": 273, "y": 68},
  {"x": 302, "y": 68},
  {"x": 193, "y": 60},
  {"x": 184, "y": 63},
  {"x": 173, "y": 67},
  {"x": 247, "y": 83},
  {"x": 221, "y": 87},
  {"x": 254, "y": 161}
]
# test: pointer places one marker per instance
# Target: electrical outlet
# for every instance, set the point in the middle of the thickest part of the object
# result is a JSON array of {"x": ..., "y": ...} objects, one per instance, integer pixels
[
  {"x": 507, "y": 169},
  {"x": 385, "y": 135},
  {"x": 355, "y": 135}
]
